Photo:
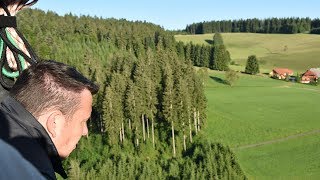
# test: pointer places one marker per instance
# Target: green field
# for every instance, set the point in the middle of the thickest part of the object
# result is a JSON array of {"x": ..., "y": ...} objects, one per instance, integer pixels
[
  {"x": 258, "y": 109},
  {"x": 267, "y": 122},
  {"x": 296, "y": 51},
  {"x": 293, "y": 159}
]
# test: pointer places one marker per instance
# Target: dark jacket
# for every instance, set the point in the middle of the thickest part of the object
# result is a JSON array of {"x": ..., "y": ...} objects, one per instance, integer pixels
[
  {"x": 3, "y": 93},
  {"x": 14, "y": 167},
  {"x": 21, "y": 130}
]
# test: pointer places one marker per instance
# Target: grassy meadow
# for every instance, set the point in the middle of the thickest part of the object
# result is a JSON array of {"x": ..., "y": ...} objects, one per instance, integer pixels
[
  {"x": 296, "y": 51},
  {"x": 258, "y": 109},
  {"x": 292, "y": 159},
  {"x": 266, "y": 122}
]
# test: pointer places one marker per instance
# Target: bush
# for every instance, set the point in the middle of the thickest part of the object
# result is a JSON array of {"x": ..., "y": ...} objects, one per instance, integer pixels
[
  {"x": 231, "y": 77},
  {"x": 287, "y": 78}
]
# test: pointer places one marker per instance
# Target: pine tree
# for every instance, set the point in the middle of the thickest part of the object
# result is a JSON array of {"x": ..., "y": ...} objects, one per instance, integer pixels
[
  {"x": 205, "y": 56},
  {"x": 180, "y": 50},
  {"x": 221, "y": 58},
  {"x": 181, "y": 102},
  {"x": 252, "y": 66},
  {"x": 140, "y": 80},
  {"x": 113, "y": 111},
  {"x": 131, "y": 114},
  {"x": 167, "y": 101},
  {"x": 217, "y": 39},
  {"x": 151, "y": 96}
]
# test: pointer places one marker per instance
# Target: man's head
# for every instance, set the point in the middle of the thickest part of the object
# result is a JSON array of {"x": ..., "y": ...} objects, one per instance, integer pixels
[{"x": 60, "y": 98}]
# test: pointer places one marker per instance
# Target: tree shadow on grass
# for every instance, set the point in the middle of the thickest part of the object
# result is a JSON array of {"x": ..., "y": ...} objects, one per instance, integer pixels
[
  {"x": 219, "y": 80},
  {"x": 209, "y": 41}
]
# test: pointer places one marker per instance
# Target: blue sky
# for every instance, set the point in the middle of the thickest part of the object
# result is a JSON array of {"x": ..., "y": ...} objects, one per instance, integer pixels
[{"x": 176, "y": 14}]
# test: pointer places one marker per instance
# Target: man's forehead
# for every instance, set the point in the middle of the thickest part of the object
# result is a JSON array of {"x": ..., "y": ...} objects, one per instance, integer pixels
[{"x": 85, "y": 106}]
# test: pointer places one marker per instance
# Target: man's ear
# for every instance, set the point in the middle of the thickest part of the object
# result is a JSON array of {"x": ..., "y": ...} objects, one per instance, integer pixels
[{"x": 53, "y": 119}]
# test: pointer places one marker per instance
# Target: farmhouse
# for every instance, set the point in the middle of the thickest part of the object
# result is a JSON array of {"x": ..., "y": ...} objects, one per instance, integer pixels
[
  {"x": 310, "y": 75},
  {"x": 281, "y": 73}
]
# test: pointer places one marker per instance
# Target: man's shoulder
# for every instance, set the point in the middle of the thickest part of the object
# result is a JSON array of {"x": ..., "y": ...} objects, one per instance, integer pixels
[
  {"x": 9, "y": 127},
  {"x": 12, "y": 162},
  {"x": 16, "y": 130}
]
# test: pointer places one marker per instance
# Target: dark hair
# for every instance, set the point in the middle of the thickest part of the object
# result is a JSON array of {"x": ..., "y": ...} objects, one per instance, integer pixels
[{"x": 51, "y": 85}]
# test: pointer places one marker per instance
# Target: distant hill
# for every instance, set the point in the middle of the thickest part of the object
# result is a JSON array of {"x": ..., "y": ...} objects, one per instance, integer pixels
[{"x": 296, "y": 51}]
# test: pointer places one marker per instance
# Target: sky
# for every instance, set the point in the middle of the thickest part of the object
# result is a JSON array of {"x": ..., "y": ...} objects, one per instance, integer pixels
[{"x": 176, "y": 14}]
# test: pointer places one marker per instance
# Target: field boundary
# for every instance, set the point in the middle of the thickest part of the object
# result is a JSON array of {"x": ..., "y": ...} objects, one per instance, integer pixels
[{"x": 317, "y": 131}]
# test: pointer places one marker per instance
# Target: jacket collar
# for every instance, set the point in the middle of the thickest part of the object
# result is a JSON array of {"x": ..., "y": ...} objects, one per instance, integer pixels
[{"x": 36, "y": 130}]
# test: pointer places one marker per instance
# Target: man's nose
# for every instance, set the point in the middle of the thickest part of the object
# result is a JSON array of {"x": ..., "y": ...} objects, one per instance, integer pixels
[{"x": 85, "y": 130}]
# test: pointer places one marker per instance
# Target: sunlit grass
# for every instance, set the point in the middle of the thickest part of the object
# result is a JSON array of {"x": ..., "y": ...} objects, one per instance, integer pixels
[
  {"x": 296, "y": 51},
  {"x": 258, "y": 109}
]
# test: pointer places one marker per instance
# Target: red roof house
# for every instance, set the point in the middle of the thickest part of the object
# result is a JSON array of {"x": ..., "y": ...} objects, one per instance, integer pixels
[
  {"x": 312, "y": 74},
  {"x": 281, "y": 73}
]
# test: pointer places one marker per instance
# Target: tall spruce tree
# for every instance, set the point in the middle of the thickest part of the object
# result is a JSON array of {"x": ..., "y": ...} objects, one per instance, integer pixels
[
  {"x": 221, "y": 58},
  {"x": 140, "y": 80},
  {"x": 167, "y": 101}
]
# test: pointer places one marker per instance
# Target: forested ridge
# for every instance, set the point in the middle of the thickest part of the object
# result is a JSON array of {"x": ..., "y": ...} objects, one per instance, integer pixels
[
  {"x": 148, "y": 116},
  {"x": 270, "y": 25}
]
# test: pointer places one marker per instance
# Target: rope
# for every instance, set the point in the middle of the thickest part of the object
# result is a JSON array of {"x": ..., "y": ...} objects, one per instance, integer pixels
[
  {"x": 20, "y": 58},
  {"x": 16, "y": 52}
]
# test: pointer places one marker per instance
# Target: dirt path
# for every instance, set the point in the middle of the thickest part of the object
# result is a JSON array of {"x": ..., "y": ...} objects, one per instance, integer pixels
[
  {"x": 308, "y": 89},
  {"x": 278, "y": 140}
]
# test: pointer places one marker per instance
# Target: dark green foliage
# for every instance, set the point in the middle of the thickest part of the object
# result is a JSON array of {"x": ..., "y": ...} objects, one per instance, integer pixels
[
  {"x": 200, "y": 55},
  {"x": 298, "y": 78},
  {"x": 180, "y": 50},
  {"x": 213, "y": 57},
  {"x": 269, "y": 25},
  {"x": 315, "y": 23},
  {"x": 315, "y": 31},
  {"x": 252, "y": 66},
  {"x": 201, "y": 160},
  {"x": 221, "y": 58},
  {"x": 205, "y": 56}
]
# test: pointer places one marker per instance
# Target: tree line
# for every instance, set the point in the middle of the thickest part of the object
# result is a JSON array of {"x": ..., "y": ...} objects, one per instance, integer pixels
[
  {"x": 150, "y": 111},
  {"x": 269, "y": 25}
]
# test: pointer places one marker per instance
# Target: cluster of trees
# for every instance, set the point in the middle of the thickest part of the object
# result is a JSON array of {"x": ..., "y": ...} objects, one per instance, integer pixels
[
  {"x": 269, "y": 25},
  {"x": 153, "y": 99},
  {"x": 202, "y": 160},
  {"x": 151, "y": 106},
  {"x": 213, "y": 56}
]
